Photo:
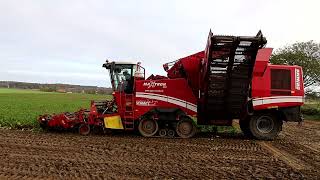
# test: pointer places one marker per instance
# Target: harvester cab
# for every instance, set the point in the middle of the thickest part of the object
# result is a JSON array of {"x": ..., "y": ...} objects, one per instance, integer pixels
[{"x": 123, "y": 74}]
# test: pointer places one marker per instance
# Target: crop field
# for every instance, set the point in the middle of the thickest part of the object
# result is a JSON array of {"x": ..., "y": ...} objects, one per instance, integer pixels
[
  {"x": 27, "y": 154},
  {"x": 20, "y": 108}
]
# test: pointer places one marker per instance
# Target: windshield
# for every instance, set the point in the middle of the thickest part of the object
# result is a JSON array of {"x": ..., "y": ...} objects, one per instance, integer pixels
[{"x": 121, "y": 76}]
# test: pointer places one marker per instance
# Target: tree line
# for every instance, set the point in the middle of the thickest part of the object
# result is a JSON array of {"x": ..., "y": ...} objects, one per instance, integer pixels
[{"x": 63, "y": 88}]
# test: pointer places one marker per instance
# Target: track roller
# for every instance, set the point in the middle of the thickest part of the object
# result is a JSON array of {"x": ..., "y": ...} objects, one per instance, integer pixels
[
  {"x": 171, "y": 133},
  {"x": 162, "y": 132}
]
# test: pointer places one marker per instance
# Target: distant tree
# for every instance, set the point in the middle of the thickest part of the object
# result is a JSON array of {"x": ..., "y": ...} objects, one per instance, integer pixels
[
  {"x": 90, "y": 91},
  {"x": 48, "y": 89},
  {"x": 313, "y": 95},
  {"x": 304, "y": 54}
]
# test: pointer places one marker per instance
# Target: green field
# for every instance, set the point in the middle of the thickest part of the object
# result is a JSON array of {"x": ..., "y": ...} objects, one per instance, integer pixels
[
  {"x": 311, "y": 110},
  {"x": 20, "y": 108}
]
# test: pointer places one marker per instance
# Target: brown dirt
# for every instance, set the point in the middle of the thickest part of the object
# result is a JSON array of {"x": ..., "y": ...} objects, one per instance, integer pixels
[{"x": 30, "y": 155}]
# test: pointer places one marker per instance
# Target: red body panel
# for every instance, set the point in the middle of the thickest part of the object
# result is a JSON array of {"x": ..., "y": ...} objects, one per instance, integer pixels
[
  {"x": 191, "y": 65},
  {"x": 166, "y": 93},
  {"x": 262, "y": 61},
  {"x": 262, "y": 95}
]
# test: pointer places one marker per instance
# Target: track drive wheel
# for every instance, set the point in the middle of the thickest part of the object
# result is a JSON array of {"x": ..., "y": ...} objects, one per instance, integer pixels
[
  {"x": 148, "y": 127},
  {"x": 84, "y": 129},
  {"x": 185, "y": 128},
  {"x": 265, "y": 126}
]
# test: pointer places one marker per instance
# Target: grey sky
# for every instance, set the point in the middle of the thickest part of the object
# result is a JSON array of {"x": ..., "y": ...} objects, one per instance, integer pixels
[{"x": 59, "y": 41}]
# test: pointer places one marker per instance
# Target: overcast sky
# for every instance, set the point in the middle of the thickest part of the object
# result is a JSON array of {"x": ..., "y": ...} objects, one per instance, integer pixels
[{"x": 67, "y": 41}]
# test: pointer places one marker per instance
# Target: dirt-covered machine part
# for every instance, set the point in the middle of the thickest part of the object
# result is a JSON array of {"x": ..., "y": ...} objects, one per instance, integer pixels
[{"x": 83, "y": 120}]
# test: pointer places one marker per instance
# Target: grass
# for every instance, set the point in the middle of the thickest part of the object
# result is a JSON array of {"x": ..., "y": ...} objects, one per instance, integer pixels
[
  {"x": 20, "y": 108},
  {"x": 311, "y": 110},
  {"x": 219, "y": 129}
]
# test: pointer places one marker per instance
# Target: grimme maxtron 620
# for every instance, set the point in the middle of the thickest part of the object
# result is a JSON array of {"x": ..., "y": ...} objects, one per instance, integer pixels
[{"x": 231, "y": 79}]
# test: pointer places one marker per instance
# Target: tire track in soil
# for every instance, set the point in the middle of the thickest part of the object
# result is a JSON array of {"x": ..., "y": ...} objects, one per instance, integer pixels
[
  {"x": 24, "y": 155},
  {"x": 302, "y": 141},
  {"x": 313, "y": 146},
  {"x": 284, "y": 156}
]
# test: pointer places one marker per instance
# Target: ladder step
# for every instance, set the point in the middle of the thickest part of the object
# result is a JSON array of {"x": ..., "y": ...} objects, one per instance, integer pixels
[
  {"x": 128, "y": 114},
  {"x": 128, "y": 121},
  {"x": 128, "y": 117}
]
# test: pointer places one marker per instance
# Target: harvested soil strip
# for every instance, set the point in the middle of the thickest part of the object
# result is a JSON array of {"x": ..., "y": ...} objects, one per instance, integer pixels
[{"x": 284, "y": 156}]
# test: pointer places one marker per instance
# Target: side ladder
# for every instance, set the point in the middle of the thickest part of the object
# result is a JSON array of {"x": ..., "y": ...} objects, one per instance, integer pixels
[{"x": 129, "y": 113}]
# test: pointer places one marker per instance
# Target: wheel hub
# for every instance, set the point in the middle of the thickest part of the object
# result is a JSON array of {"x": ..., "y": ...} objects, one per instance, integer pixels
[
  {"x": 162, "y": 132},
  {"x": 171, "y": 133},
  {"x": 185, "y": 128},
  {"x": 265, "y": 124},
  {"x": 148, "y": 126}
]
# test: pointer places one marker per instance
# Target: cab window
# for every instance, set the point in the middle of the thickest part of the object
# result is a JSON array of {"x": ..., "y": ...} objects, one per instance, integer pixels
[
  {"x": 280, "y": 82},
  {"x": 123, "y": 80}
]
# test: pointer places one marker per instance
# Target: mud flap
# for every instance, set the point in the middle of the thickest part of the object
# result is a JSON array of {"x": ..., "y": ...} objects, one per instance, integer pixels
[{"x": 113, "y": 122}]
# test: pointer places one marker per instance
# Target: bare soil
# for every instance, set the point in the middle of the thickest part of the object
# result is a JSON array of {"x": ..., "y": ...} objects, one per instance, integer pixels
[{"x": 37, "y": 155}]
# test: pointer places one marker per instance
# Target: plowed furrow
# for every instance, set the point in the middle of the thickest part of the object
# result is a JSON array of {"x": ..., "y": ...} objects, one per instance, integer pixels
[{"x": 25, "y": 154}]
